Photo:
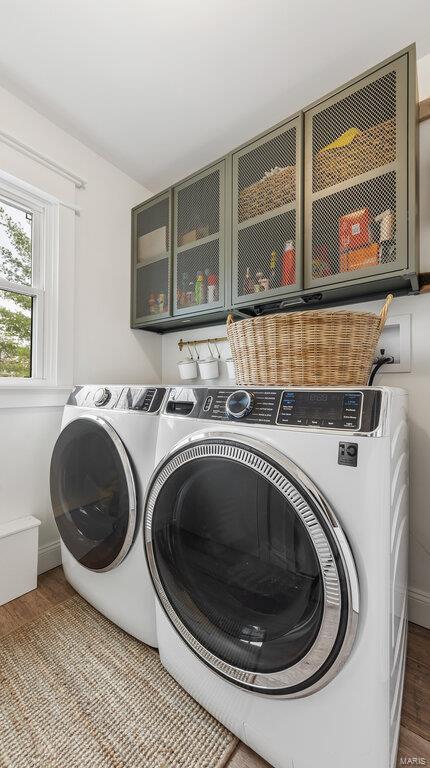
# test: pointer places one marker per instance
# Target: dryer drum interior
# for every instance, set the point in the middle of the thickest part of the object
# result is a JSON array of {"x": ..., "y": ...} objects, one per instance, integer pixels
[
  {"x": 250, "y": 565},
  {"x": 93, "y": 493}
]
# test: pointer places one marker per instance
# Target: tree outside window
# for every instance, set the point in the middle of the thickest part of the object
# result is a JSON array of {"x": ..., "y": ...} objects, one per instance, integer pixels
[{"x": 15, "y": 307}]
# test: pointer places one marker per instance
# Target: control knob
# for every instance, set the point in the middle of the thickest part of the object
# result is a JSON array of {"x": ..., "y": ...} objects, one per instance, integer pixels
[
  {"x": 101, "y": 396},
  {"x": 239, "y": 404}
]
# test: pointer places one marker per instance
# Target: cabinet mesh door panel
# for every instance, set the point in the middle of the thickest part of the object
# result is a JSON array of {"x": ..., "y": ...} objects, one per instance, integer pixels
[
  {"x": 355, "y": 228},
  {"x": 198, "y": 209},
  {"x": 267, "y": 176},
  {"x": 264, "y": 216},
  {"x": 355, "y": 134},
  {"x": 153, "y": 235},
  {"x": 152, "y": 288},
  {"x": 198, "y": 275},
  {"x": 355, "y": 162},
  {"x": 266, "y": 257}
]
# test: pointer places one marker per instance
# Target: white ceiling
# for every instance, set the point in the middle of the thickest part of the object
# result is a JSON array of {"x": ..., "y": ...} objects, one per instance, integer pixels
[{"x": 162, "y": 87}]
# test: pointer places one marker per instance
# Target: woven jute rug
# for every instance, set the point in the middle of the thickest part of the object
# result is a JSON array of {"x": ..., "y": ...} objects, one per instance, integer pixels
[{"x": 77, "y": 692}]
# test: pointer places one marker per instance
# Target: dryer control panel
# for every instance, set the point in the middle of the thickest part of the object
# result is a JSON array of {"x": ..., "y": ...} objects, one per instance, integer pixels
[
  {"x": 351, "y": 410},
  {"x": 118, "y": 398}
]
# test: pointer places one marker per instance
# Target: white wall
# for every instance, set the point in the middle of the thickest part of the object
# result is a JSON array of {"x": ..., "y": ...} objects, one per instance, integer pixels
[
  {"x": 105, "y": 349},
  {"x": 417, "y": 382},
  {"x": 27, "y": 436}
]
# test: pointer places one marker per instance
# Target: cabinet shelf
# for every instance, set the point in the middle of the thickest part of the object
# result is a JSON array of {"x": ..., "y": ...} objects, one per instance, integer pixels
[
  {"x": 268, "y": 215},
  {"x": 375, "y": 173},
  {"x": 196, "y": 243},
  {"x": 153, "y": 260}
]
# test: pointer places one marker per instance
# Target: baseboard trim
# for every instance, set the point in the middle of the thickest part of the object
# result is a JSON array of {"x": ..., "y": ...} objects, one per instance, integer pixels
[
  {"x": 49, "y": 557},
  {"x": 419, "y": 607}
]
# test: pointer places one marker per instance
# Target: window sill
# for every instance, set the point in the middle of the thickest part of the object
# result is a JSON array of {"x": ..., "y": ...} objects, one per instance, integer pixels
[{"x": 32, "y": 394}]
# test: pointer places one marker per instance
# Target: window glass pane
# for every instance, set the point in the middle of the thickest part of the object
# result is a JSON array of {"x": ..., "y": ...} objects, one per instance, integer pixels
[
  {"x": 15, "y": 244},
  {"x": 16, "y": 313}
]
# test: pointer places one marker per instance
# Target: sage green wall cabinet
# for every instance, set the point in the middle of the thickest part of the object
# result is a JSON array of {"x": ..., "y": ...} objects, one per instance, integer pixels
[
  {"x": 151, "y": 260},
  {"x": 319, "y": 209},
  {"x": 200, "y": 242},
  {"x": 266, "y": 221},
  {"x": 357, "y": 165}
]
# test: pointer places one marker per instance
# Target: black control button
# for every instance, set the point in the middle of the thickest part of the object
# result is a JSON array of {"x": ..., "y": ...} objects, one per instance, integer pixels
[
  {"x": 292, "y": 421},
  {"x": 315, "y": 422},
  {"x": 208, "y": 403}
]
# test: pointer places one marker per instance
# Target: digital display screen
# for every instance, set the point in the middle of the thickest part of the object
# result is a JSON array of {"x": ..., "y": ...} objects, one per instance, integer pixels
[{"x": 329, "y": 409}]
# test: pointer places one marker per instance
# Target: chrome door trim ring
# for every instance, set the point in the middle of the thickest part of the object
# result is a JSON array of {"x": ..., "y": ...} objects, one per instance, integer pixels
[
  {"x": 131, "y": 490},
  {"x": 225, "y": 445}
]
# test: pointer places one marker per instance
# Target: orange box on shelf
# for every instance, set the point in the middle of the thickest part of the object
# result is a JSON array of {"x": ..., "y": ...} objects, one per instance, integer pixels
[
  {"x": 360, "y": 258},
  {"x": 354, "y": 230}
]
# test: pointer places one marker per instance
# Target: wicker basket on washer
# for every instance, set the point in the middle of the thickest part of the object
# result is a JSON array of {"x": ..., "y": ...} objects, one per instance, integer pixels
[{"x": 308, "y": 348}]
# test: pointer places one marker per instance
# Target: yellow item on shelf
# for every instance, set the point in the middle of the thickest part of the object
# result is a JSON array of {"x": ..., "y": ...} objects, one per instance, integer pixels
[{"x": 343, "y": 140}]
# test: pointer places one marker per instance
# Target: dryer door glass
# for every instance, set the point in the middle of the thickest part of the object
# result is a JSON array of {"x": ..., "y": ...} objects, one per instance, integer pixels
[
  {"x": 92, "y": 493},
  {"x": 244, "y": 565}
]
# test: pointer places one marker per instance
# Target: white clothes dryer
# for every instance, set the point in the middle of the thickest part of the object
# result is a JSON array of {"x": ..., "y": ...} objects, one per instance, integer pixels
[
  {"x": 100, "y": 467},
  {"x": 276, "y": 528}
]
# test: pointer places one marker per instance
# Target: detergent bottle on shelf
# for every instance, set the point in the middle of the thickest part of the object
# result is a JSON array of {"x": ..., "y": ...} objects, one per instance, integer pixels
[{"x": 288, "y": 264}]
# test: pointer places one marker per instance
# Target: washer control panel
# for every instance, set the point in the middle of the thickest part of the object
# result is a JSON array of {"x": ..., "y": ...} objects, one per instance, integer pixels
[{"x": 327, "y": 409}]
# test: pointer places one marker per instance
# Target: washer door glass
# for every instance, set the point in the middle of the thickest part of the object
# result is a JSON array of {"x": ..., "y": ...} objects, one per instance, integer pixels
[
  {"x": 92, "y": 493},
  {"x": 244, "y": 566}
]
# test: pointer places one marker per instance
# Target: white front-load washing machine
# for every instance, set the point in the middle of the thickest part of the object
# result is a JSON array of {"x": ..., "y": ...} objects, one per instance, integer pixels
[
  {"x": 276, "y": 527},
  {"x": 100, "y": 467}
]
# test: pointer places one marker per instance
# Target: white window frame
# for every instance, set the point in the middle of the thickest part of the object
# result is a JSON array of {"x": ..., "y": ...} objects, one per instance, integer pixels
[{"x": 52, "y": 233}]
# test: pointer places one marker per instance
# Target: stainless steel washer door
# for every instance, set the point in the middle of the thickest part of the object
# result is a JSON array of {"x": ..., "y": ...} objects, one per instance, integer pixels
[
  {"x": 93, "y": 493},
  {"x": 251, "y": 565}
]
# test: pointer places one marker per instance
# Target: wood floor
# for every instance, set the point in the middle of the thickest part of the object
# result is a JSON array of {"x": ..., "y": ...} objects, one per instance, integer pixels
[{"x": 415, "y": 730}]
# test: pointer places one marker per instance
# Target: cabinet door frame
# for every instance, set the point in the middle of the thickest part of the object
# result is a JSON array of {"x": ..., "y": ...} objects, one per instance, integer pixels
[
  {"x": 244, "y": 300},
  {"x": 399, "y": 166},
  {"x": 136, "y": 320},
  {"x": 222, "y": 166}
]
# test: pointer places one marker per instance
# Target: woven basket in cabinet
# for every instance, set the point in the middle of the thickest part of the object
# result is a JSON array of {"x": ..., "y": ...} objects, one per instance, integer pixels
[
  {"x": 370, "y": 149},
  {"x": 311, "y": 348},
  {"x": 274, "y": 190}
]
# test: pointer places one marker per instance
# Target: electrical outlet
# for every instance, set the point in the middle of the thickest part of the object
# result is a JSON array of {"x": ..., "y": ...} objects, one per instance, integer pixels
[{"x": 395, "y": 340}]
